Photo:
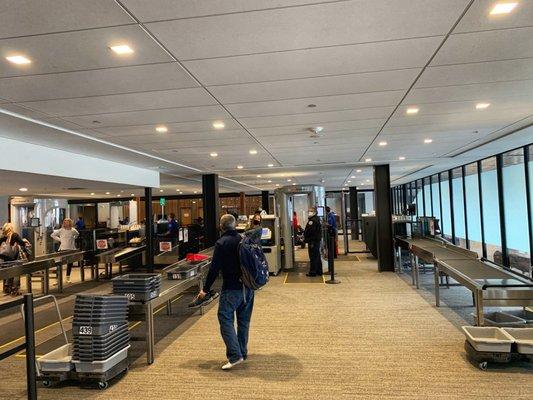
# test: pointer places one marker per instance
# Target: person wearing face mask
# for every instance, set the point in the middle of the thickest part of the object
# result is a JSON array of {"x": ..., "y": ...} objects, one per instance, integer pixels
[
  {"x": 313, "y": 237},
  {"x": 255, "y": 222}
]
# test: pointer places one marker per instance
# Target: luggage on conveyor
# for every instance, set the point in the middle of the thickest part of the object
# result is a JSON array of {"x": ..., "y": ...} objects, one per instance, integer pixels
[{"x": 137, "y": 287}]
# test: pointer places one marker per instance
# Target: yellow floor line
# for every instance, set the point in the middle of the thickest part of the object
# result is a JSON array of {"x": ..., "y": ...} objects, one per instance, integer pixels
[
  {"x": 37, "y": 331},
  {"x": 285, "y": 280}
]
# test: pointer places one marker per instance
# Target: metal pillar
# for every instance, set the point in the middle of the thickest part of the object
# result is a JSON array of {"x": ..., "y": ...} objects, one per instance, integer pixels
[
  {"x": 264, "y": 201},
  {"x": 354, "y": 213},
  {"x": 149, "y": 216},
  {"x": 383, "y": 217},
  {"x": 211, "y": 208}
]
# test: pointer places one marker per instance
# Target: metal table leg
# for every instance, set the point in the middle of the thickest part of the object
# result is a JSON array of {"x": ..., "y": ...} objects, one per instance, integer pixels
[
  {"x": 150, "y": 340},
  {"x": 60, "y": 278},
  {"x": 417, "y": 273},
  {"x": 46, "y": 279},
  {"x": 412, "y": 257},
  {"x": 437, "y": 286},
  {"x": 169, "y": 307},
  {"x": 478, "y": 295},
  {"x": 400, "y": 265},
  {"x": 28, "y": 283}
]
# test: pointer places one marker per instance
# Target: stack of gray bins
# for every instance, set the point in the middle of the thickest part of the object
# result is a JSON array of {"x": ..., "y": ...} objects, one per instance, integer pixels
[
  {"x": 100, "y": 330},
  {"x": 137, "y": 287}
]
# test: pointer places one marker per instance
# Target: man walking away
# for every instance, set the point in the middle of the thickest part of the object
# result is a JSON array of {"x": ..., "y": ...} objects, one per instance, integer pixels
[
  {"x": 235, "y": 298},
  {"x": 313, "y": 237}
]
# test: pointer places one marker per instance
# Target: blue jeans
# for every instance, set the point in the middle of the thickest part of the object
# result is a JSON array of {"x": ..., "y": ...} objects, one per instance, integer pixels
[{"x": 233, "y": 302}]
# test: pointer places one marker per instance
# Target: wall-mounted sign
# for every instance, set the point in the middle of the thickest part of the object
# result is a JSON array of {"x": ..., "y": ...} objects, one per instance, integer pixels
[
  {"x": 101, "y": 244},
  {"x": 185, "y": 235},
  {"x": 165, "y": 246}
]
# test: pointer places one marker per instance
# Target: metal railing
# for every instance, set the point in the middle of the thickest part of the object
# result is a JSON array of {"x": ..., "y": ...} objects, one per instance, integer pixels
[{"x": 29, "y": 343}]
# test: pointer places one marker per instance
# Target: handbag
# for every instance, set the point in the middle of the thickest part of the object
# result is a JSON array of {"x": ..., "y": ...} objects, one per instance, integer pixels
[{"x": 8, "y": 252}]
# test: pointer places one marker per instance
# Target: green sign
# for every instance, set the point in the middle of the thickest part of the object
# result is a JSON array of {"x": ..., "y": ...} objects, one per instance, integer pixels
[{"x": 162, "y": 201}]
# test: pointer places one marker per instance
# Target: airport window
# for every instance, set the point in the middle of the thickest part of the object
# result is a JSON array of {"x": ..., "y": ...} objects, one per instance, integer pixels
[
  {"x": 473, "y": 211},
  {"x": 435, "y": 200},
  {"x": 515, "y": 210},
  {"x": 458, "y": 207},
  {"x": 427, "y": 197},
  {"x": 490, "y": 210},
  {"x": 419, "y": 199},
  {"x": 530, "y": 184},
  {"x": 446, "y": 223}
]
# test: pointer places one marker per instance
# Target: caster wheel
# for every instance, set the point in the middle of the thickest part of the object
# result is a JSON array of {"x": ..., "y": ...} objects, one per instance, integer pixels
[
  {"x": 47, "y": 383},
  {"x": 103, "y": 385},
  {"x": 483, "y": 366}
]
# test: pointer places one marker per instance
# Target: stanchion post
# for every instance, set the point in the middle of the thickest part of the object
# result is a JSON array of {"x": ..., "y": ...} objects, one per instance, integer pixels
[
  {"x": 29, "y": 328},
  {"x": 331, "y": 261}
]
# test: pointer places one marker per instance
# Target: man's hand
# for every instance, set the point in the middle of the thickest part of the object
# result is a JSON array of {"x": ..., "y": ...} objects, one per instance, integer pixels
[{"x": 201, "y": 295}]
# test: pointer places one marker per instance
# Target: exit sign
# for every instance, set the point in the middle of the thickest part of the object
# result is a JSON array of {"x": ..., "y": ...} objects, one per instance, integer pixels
[{"x": 162, "y": 201}]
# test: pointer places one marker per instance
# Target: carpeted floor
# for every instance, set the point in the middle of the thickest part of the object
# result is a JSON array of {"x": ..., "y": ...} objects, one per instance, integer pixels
[{"x": 370, "y": 337}]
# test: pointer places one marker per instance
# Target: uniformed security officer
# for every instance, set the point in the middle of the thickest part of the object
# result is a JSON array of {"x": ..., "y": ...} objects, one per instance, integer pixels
[{"x": 313, "y": 237}]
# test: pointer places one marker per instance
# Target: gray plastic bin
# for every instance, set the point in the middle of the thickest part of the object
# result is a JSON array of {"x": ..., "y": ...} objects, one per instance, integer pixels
[
  {"x": 58, "y": 360},
  {"x": 488, "y": 339},
  {"x": 101, "y": 366},
  {"x": 523, "y": 338},
  {"x": 503, "y": 319}
]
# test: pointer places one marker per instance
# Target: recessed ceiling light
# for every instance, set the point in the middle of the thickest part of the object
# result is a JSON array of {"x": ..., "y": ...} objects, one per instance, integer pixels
[
  {"x": 353, "y": 176},
  {"x": 253, "y": 151},
  {"x": 194, "y": 202},
  {"x": 349, "y": 181},
  {"x": 177, "y": 190},
  {"x": 358, "y": 170},
  {"x": 213, "y": 154},
  {"x": 133, "y": 194},
  {"x": 269, "y": 181},
  {"x": 277, "y": 184},
  {"x": 161, "y": 129},
  {"x": 401, "y": 158},
  {"x": 196, "y": 191},
  {"x": 270, "y": 165},
  {"x": 122, "y": 49},
  {"x": 368, "y": 180},
  {"x": 383, "y": 143},
  {"x": 18, "y": 59},
  {"x": 240, "y": 167},
  {"x": 412, "y": 110},
  {"x": 118, "y": 195},
  {"x": 289, "y": 180},
  {"x": 107, "y": 193},
  {"x": 503, "y": 8},
  {"x": 482, "y": 106},
  {"x": 294, "y": 184},
  {"x": 161, "y": 190},
  {"x": 259, "y": 176},
  {"x": 23, "y": 189},
  {"x": 368, "y": 159},
  {"x": 92, "y": 194},
  {"x": 219, "y": 125},
  {"x": 362, "y": 184},
  {"x": 428, "y": 140}
]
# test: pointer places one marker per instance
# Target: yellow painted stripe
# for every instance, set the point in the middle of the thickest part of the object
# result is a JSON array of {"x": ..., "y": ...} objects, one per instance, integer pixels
[
  {"x": 37, "y": 331},
  {"x": 285, "y": 280}
]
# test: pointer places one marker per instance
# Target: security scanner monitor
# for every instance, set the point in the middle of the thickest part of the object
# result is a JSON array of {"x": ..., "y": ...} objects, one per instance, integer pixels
[{"x": 270, "y": 237}]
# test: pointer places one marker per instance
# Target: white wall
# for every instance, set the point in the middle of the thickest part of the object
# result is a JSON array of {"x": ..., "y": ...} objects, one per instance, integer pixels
[
  {"x": 4, "y": 209},
  {"x": 32, "y": 158}
]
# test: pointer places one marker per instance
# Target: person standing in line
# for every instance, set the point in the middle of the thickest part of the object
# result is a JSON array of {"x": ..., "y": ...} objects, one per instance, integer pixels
[
  {"x": 66, "y": 236},
  {"x": 236, "y": 300},
  {"x": 12, "y": 248},
  {"x": 313, "y": 238},
  {"x": 332, "y": 228},
  {"x": 80, "y": 224}
]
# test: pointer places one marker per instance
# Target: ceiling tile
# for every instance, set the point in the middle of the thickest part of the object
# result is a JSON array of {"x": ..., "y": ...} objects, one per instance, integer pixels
[
  {"x": 80, "y": 50},
  {"x": 124, "y": 102},
  {"x": 315, "y": 62},
  {"x": 30, "y": 17},
  {"x": 329, "y": 24}
]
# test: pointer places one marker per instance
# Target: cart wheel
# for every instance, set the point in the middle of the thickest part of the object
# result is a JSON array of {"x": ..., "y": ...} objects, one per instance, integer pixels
[
  {"x": 47, "y": 383},
  {"x": 483, "y": 366},
  {"x": 103, "y": 385}
]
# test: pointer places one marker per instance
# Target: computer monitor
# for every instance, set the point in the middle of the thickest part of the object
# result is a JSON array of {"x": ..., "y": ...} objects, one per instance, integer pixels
[
  {"x": 35, "y": 222},
  {"x": 320, "y": 211}
]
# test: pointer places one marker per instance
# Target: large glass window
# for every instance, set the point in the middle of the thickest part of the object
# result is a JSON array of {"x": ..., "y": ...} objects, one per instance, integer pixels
[
  {"x": 473, "y": 211},
  {"x": 419, "y": 199},
  {"x": 491, "y": 211},
  {"x": 458, "y": 207},
  {"x": 427, "y": 197},
  {"x": 515, "y": 210},
  {"x": 446, "y": 223},
  {"x": 435, "y": 190}
]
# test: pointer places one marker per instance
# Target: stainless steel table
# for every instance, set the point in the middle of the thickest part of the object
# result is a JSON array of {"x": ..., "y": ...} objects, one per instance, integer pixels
[
  {"x": 170, "y": 289},
  {"x": 490, "y": 284},
  {"x": 28, "y": 268},
  {"x": 118, "y": 255},
  {"x": 60, "y": 258}
]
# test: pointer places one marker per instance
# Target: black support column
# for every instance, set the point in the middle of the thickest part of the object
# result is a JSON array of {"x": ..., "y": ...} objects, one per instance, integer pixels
[
  {"x": 264, "y": 201},
  {"x": 148, "y": 212},
  {"x": 354, "y": 213},
  {"x": 383, "y": 217},
  {"x": 211, "y": 208}
]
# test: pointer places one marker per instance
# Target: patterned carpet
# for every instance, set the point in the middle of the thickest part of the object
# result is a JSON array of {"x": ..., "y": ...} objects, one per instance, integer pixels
[{"x": 371, "y": 337}]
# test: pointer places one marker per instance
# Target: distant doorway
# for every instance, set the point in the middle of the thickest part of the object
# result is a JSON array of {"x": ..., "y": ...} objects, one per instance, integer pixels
[{"x": 186, "y": 215}]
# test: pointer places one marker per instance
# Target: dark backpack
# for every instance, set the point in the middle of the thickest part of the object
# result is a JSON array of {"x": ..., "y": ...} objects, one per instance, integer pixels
[{"x": 254, "y": 266}]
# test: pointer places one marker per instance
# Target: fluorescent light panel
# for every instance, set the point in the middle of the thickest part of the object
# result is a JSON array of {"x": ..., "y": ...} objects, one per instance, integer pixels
[
  {"x": 503, "y": 8},
  {"x": 18, "y": 59},
  {"x": 122, "y": 49}
]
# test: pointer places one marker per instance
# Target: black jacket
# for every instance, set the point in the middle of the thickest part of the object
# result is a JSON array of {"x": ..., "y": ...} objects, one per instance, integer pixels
[
  {"x": 226, "y": 259},
  {"x": 313, "y": 230}
]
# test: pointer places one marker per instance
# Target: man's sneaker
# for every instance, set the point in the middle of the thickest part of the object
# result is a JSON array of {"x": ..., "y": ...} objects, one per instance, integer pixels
[
  {"x": 230, "y": 365},
  {"x": 208, "y": 298}
]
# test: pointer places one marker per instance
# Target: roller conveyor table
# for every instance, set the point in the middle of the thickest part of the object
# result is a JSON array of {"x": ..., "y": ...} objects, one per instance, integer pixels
[{"x": 118, "y": 255}]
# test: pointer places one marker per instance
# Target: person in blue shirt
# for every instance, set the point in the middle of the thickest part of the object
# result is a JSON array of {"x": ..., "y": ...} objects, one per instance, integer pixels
[
  {"x": 332, "y": 220},
  {"x": 173, "y": 225},
  {"x": 80, "y": 224}
]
